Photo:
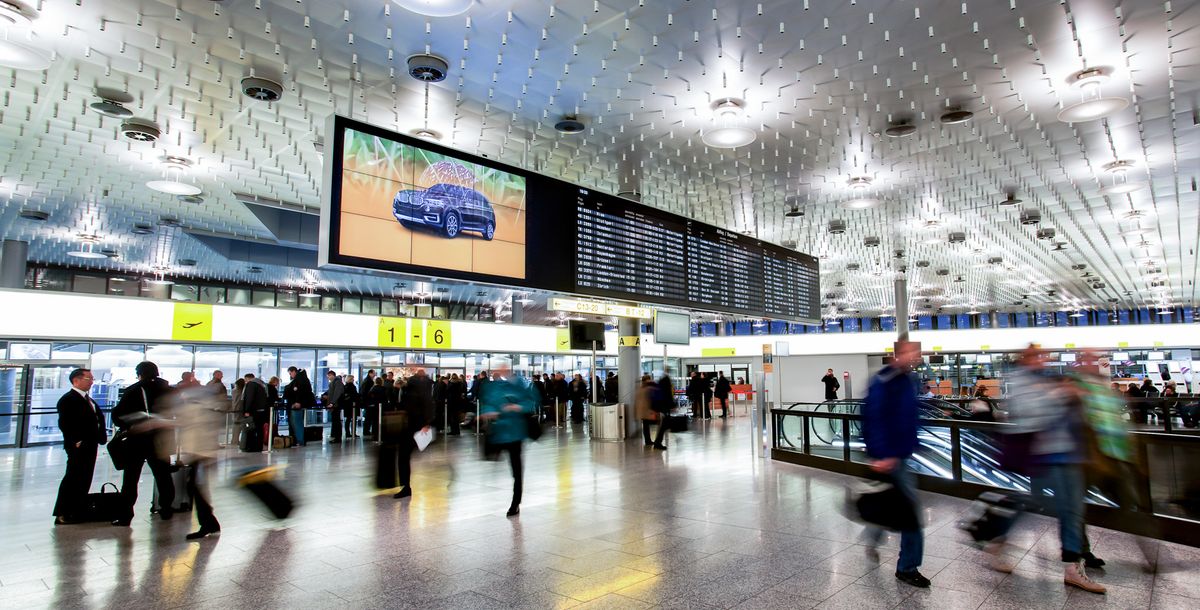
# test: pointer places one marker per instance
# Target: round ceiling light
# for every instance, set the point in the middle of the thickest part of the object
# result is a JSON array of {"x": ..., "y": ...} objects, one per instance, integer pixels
[
  {"x": 859, "y": 203},
  {"x": 1092, "y": 104},
  {"x": 900, "y": 130},
  {"x": 87, "y": 249},
  {"x": 174, "y": 187},
  {"x": 794, "y": 212},
  {"x": 110, "y": 108},
  {"x": 21, "y": 55},
  {"x": 436, "y": 8},
  {"x": 569, "y": 125},
  {"x": 17, "y": 13},
  {"x": 956, "y": 116},
  {"x": 729, "y": 132},
  {"x": 1010, "y": 199}
]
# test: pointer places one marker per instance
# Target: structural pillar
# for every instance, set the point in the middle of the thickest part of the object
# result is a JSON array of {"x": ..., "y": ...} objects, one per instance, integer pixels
[
  {"x": 901, "y": 309},
  {"x": 518, "y": 310},
  {"x": 629, "y": 373},
  {"x": 13, "y": 258}
]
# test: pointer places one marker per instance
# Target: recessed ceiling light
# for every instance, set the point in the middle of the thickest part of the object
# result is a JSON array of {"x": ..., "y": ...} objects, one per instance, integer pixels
[
  {"x": 436, "y": 8},
  {"x": 956, "y": 116}
]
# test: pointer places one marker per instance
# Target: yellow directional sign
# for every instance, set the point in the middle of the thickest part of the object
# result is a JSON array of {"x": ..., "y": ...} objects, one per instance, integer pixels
[
  {"x": 634, "y": 341},
  {"x": 393, "y": 332},
  {"x": 718, "y": 352},
  {"x": 562, "y": 342},
  {"x": 416, "y": 333},
  {"x": 437, "y": 334},
  {"x": 192, "y": 322}
]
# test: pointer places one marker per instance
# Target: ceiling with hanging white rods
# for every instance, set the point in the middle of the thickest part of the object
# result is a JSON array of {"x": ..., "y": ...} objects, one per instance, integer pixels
[{"x": 1004, "y": 153}]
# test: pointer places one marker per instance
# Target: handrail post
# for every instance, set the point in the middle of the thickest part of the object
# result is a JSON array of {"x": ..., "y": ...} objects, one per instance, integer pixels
[
  {"x": 270, "y": 428},
  {"x": 845, "y": 439},
  {"x": 806, "y": 442},
  {"x": 956, "y": 453}
]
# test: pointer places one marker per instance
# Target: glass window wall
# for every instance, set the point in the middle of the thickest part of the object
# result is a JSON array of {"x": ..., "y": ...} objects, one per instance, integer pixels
[
  {"x": 172, "y": 360},
  {"x": 212, "y": 358},
  {"x": 113, "y": 369}
]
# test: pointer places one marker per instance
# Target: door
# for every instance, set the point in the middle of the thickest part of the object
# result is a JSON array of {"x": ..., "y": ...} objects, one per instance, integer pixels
[
  {"x": 45, "y": 384},
  {"x": 12, "y": 403}
]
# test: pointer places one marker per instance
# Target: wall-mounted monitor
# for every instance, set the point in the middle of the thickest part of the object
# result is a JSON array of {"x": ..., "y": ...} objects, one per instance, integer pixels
[
  {"x": 393, "y": 202},
  {"x": 586, "y": 335},
  {"x": 937, "y": 359},
  {"x": 1120, "y": 357},
  {"x": 1066, "y": 357},
  {"x": 672, "y": 328},
  {"x": 983, "y": 359},
  {"x": 1156, "y": 356}
]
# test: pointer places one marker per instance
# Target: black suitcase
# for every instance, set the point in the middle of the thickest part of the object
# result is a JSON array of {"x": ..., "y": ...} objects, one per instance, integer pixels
[
  {"x": 261, "y": 483},
  {"x": 104, "y": 506},
  {"x": 181, "y": 475},
  {"x": 313, "y": 433},
  {"x": 251, "y": 439},
  {"x": 992, "y": 515}
]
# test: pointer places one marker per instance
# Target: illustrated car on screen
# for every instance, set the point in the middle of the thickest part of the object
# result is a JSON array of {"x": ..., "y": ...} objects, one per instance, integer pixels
[{"x": 448, "y": 208}]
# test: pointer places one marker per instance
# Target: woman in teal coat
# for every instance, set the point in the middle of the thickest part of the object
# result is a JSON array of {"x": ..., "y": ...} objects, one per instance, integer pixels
[{"x": 506, "y": 403}]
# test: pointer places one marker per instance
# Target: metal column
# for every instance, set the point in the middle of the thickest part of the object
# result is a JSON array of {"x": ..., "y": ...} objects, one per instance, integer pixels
[
  {"x": 629, "y": 374},
  {"x": 13, "y": 258},
  {"x": 902, "y": 308}
]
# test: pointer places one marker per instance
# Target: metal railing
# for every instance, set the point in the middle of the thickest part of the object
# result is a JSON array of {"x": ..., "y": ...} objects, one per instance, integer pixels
[{"x": 962, "y": 458}]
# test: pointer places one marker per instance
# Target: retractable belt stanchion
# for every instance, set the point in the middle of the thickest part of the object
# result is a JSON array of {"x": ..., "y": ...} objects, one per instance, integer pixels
[
  {"x": 379, "y": 425},
  {"x": 478, "y": 428},
  {"x": 557, "y": 421},
  {"x": 270, "y": 428}
]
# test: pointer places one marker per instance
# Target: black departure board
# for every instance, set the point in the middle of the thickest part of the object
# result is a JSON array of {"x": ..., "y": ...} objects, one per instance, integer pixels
[
  {"x": 570, "y": 239},
  {"x": 626, "y": 250}
]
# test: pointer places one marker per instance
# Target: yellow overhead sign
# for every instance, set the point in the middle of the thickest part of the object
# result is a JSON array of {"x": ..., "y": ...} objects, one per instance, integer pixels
[
  {"x": 634, "y": 341},
  {"x": 562, "y": 342},
  {"x": 599, "y": 309},
  {"x": 393, "y": 332},
  {"x": 192, "y": 322},
  {"x": 716, "y": 352}
]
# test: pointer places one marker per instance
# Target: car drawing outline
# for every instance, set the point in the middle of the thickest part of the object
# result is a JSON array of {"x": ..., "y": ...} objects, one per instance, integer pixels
[{"x": 449, "y": 208}]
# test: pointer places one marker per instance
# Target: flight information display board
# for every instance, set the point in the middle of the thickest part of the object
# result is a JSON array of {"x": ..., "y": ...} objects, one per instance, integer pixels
[{"x": 396, "y": 203}]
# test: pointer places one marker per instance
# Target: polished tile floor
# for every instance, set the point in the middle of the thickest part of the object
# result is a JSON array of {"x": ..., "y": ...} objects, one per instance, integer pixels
[{"x": 604, "y": 525}]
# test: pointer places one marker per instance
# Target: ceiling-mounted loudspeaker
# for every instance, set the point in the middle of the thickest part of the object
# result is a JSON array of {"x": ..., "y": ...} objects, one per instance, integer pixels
[
  {"x": 789, "y": 243},
  {"x": 899, "y": 130},
  {"x": 958, "y": 237},
  {"x": 140, "y": 130},
  {"x": 261, "y": 89},
  {"x": 871, "y": 242},
  {"x": 35, "y": 215},
  {"x": 112, "y": 103},
  {"x": 186, "y": 262},
  {"x": 1046, "y": 233},
  {"x": 794, "y": 212},
  {"x": 570, "y": 125},
  {"x": 1059, "y": 247},
  {"x": 1010, "y": 199},
  {"x": 954, "y": 116},
  {"x": 995, "y": 260},
  {"x": 1030, "y": 217},
  {"x": 428, "y": 68},
  {"x": 922, "y": 264},
  {"x": 852, "y": 267},
  {"x": 837, "y": 227},
  {"x": 943, "y": 272}
]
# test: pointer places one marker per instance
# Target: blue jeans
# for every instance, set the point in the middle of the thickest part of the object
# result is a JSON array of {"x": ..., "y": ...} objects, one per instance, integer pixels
[
  {"x": 912, "y": 543},
  {"x": 1066, "y": 482},
  {"x": 296, "y": 425}
]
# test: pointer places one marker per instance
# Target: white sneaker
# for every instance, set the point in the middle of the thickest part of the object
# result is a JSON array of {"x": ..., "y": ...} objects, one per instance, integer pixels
[
  {"x": 1075, "y": 576},
  {"x": 997, "y": 560}
]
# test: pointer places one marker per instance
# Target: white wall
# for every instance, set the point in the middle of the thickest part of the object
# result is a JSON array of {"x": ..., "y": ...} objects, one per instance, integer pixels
[{"x": 800, "y": 376}]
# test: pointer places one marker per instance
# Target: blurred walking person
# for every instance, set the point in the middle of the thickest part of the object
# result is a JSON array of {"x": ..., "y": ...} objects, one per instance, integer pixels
[
  {"x": 662, "y": 401},
  {"x": 198, "y": 420},
  {"x": 1047, "y": 414},
  {"x": 644, "y": 407},
  {"x": 890, "y": 430},
  {"x": 507, "y": 404},
  {"x": 417, "y": 403}
]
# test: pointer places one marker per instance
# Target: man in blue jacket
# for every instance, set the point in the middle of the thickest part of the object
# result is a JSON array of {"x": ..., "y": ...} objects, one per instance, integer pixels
[{"x": 890, "y": 431}]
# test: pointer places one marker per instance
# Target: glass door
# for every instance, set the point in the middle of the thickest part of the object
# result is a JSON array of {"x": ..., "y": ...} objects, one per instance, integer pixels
[
  {"x": 12, "y": 400},
  {"x": 46, "y": 383}
]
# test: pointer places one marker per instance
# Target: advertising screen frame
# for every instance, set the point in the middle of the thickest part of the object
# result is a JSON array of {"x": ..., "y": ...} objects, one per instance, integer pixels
[{"x": 687, "y": 321}]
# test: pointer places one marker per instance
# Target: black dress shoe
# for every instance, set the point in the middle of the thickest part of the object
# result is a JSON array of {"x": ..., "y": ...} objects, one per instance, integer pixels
[
  {"x": 404, "y": 493},
  {"x": 60, "y": 520},
  {"x": 513, "y": 511},
  {"x": 201, "y": 533},
  {"x": 166, "y": 514},
  {"x": 913, "y": 578},
  {"x": 659, "y": 446},
  {"x": 1092, "y": 561},
  {"x": 122, "y": 522}
]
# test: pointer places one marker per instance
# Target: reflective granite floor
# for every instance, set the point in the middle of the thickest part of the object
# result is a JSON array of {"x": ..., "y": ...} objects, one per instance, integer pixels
[{"x": 703, "y": 525}]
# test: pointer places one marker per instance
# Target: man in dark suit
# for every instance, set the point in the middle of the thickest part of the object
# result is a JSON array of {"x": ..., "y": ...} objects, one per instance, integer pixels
[
  {"x": 137, "y": 412},
  {"x": 83, "y": 431},
  {"x": 417, "y": 403}
]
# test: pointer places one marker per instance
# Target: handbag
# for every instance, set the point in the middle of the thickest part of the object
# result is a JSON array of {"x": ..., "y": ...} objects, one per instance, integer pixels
[
  {"x": 884, "y": 505},
  {"x": 393, "y": 427},
  {"x": 677, "y": 423},
  {"x": 533, "y": 426},
  {"x": 104, "y": 506},
  {"x": 120, "y": 449}
]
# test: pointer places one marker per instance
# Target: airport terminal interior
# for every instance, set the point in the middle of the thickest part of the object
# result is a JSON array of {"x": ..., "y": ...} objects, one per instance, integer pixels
[{"x": 599, "y": 304}]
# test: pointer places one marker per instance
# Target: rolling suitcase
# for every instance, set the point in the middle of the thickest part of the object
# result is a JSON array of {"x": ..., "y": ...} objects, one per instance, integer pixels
[
  {"x": 313, "y": 433},
  {"x": 261, "y": 483},
  {"x": 251, "y": 439},
  {"x": 181, "y": 475},
  {"x": 992, "y": 515}
]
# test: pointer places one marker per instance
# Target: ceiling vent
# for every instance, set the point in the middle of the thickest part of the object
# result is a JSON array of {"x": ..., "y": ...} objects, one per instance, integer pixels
[
  {"x": 871, "y": 242},
  {"x": 794, "y": 212},
  {"x": 837, "y": 227},
  {"x": 853, "y": 267},
  {"x": 140, "y": 130},
  {"x": 112, "y": 103},
  {"x": 995, "y": 260},
  {"x": 899, "y": 130},
  {"x": 1046, "y": 233},
  {"x": 958, "y": 237},
  {"x": 923, "y": 264},
  {"x": 169, "y": 221},
  {"x": 186, "y": 262},
  {"x": 428, "y": 68},
  {"x": 569, "y": 125},
  {"x": 35, "y": 215},
  {"x": 943, "y": 272},
  {"x": 955, "y": 116},
  {"x": 261, "y": 89},
  {"x": 142, "y": 228},
  {"x": 1030, "y": 217}
]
